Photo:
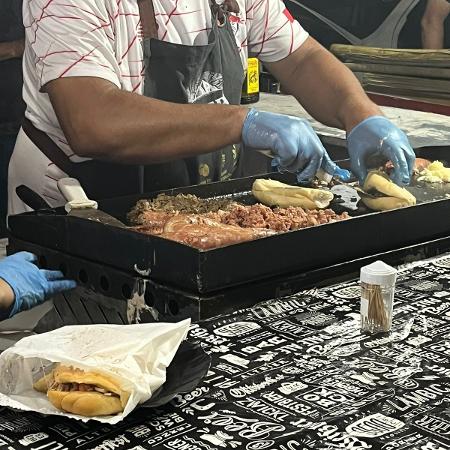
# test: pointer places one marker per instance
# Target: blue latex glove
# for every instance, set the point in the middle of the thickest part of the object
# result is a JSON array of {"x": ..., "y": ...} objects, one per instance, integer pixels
[
  {"x": 378, "y": 137},
  {"x": 31, "y": 285},
  {"x": 293, "y": 142}
]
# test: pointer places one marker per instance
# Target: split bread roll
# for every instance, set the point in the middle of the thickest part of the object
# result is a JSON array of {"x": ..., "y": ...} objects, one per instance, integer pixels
[
  {"x": 275, "y": 193},
  {"x": 88, "y": 404},
  {"x": 83, "y": 393},
  {"x": 384, "y": 194}
]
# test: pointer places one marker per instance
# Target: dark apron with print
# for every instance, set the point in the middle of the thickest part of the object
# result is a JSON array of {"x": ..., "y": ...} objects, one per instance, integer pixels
[
  {"x": 175, "y": 73},
  {"x": 209, "y": 73}
]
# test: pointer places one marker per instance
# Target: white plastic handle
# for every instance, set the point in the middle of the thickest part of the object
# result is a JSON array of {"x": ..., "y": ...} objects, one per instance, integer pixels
[
  {"x": 324, "y": 176},
  {"x": 74, "y": 194},
  {"x": 267, "y": 153},
  {"x": 321, "y": 174}
]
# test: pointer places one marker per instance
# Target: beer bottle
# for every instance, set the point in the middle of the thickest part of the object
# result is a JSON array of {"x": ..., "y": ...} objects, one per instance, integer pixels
[{"x": 250, "y": 88}]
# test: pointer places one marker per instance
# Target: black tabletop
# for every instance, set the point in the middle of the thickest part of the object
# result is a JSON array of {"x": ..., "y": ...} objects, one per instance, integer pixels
[{"x": 292, "y": 374}]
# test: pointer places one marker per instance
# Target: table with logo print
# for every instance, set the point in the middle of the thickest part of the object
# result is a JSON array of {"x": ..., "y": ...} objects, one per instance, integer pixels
[{"x": 291, "y": 374}]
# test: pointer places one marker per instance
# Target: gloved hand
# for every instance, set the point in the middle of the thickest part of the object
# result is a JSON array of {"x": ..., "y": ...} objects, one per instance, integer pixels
[
  {"x": 378, "y": 137},
  {"x": 30, "y": 284},
  {"x": 293, "y": 142}
]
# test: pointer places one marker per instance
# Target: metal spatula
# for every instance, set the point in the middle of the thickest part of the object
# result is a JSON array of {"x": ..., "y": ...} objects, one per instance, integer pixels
[{"x": 78, "y": 204}]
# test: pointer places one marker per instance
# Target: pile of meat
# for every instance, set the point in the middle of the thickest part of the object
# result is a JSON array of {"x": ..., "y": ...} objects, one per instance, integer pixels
[
  {"x": 181, "y": 203},
  {"x": 81, "y": 387},
  {"x": 277, "y": 219},
  {"x": 197, "y": 230},
  {"x": 220, "y": 227}
]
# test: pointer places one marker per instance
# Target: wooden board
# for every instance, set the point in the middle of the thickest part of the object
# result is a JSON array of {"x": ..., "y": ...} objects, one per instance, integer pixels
[
  {"x": 404, "y": 70},
  {"x": 405, "y": 86},
  {"x": 409, "y": 57}
]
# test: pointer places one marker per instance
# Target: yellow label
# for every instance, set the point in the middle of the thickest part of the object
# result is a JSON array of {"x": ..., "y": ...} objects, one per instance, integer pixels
[
  {"x": 203, "y": 170},
  {"x": 253, "y": 76}
]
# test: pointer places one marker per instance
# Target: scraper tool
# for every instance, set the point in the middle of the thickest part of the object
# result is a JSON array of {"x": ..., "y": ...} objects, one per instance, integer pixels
[{"x": 79, "y": 205}]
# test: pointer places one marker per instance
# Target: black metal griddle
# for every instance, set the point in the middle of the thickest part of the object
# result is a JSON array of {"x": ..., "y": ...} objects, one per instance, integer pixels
[
  {"x": 102, "y": 294},
  {"x": 112, "y": 264},
  {"x": 178, "y": 265}
]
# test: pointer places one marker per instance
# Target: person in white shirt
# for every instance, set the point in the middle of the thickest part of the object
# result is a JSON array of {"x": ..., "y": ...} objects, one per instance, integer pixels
[{"x": 111, "y": 85}]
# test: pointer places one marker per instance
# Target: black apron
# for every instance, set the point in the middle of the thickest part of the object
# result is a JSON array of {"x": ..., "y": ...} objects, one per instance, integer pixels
[{"x": 177, "y": 73}]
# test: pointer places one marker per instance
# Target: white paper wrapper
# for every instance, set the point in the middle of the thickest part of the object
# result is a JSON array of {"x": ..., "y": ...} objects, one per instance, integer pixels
[{"x": 137, "y": 355}]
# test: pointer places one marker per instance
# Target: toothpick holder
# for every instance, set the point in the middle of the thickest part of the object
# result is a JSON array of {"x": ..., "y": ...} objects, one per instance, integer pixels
[{"x": 377, "y": 297}]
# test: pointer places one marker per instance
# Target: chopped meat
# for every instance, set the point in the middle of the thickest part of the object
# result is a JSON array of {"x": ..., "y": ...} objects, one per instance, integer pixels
[
  {"x": 152, "y": 222},
  {"x": 66, "y": 387},
  {"x": 204, "y": 233},
  {"x": 278, "y": 219},
  {"x": 238, "y": 223},
  {"x": 82, "y": 387},
  {"x": 181, "y": 203}
]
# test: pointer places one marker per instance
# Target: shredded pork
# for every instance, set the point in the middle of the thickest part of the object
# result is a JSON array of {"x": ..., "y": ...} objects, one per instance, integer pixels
[
  {"x": 278, "y": 219},
  {"x": 181, "y": 203},
  {"x": 81, "y": 387},
  {"x": 204, "y": 225}
]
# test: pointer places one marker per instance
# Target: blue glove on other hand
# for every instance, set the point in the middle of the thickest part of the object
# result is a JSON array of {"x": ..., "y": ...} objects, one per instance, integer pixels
[
  {"x": 293, "y": 142},
  {"x": 378, "y": 137},
  {"x": 31, "y": 285}
]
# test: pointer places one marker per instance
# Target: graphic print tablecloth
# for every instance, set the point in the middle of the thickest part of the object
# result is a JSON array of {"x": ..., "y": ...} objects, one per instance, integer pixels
[{"x": 291, "y": 374}]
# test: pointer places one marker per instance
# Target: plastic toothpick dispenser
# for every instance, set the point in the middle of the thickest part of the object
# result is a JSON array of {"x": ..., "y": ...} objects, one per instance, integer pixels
[{"x": 377, "y": 297}]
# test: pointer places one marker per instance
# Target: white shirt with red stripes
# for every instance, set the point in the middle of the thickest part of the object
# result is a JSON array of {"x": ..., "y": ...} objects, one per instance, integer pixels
[{"x": 102, "y": 38}]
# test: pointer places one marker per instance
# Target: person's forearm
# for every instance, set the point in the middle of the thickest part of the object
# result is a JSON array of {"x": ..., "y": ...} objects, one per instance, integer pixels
[
  {"x": 6, "y": 297},
  {"x": 433, "y": 38},
  {"x": 129, "y": 128},
  {"x": 11, "y": 50},
  {"x": 433, "y": 22},
  {"x": 325, "y": 87},
  {"x": 148, "y": 131}
]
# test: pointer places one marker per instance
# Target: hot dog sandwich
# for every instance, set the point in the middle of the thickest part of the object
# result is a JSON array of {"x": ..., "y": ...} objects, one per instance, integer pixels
[
  {"x": 85, "y": 393},
  {"x": 384, "y": 194},
  {"x": 275, "y": 193}
]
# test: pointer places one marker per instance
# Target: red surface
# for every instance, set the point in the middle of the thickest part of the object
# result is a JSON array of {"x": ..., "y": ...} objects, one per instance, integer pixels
[{"x": 404, "y": 103}]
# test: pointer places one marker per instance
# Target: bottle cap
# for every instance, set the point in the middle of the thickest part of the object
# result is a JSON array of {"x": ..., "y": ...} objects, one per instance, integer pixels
[{"x": 378, "y": 273}]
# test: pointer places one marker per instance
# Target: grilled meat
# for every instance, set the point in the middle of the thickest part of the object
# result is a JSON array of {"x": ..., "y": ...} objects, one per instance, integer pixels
[
  {"x": 278, "y": 219},
  {"x": 238, "y": 224},
  {"x": 204, "y": 233}
]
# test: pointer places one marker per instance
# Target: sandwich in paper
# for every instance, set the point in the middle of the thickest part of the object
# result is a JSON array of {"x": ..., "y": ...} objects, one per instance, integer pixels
[
  {"x": 85, "y": 393},
  {"x": 93, "y": 372},
  {"x": 383, "y": 194},
  {"x": 275, "y": 193}
]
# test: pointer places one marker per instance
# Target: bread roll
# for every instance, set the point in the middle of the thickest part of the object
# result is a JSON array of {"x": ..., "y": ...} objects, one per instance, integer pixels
[
  {"x": 88, "y": 404},
  {"x": 43, "y": 384},
  {"x": 85, "y": 393},
  {"x": 388, "y": 194},
  {"x": 275, "y": 193}
]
